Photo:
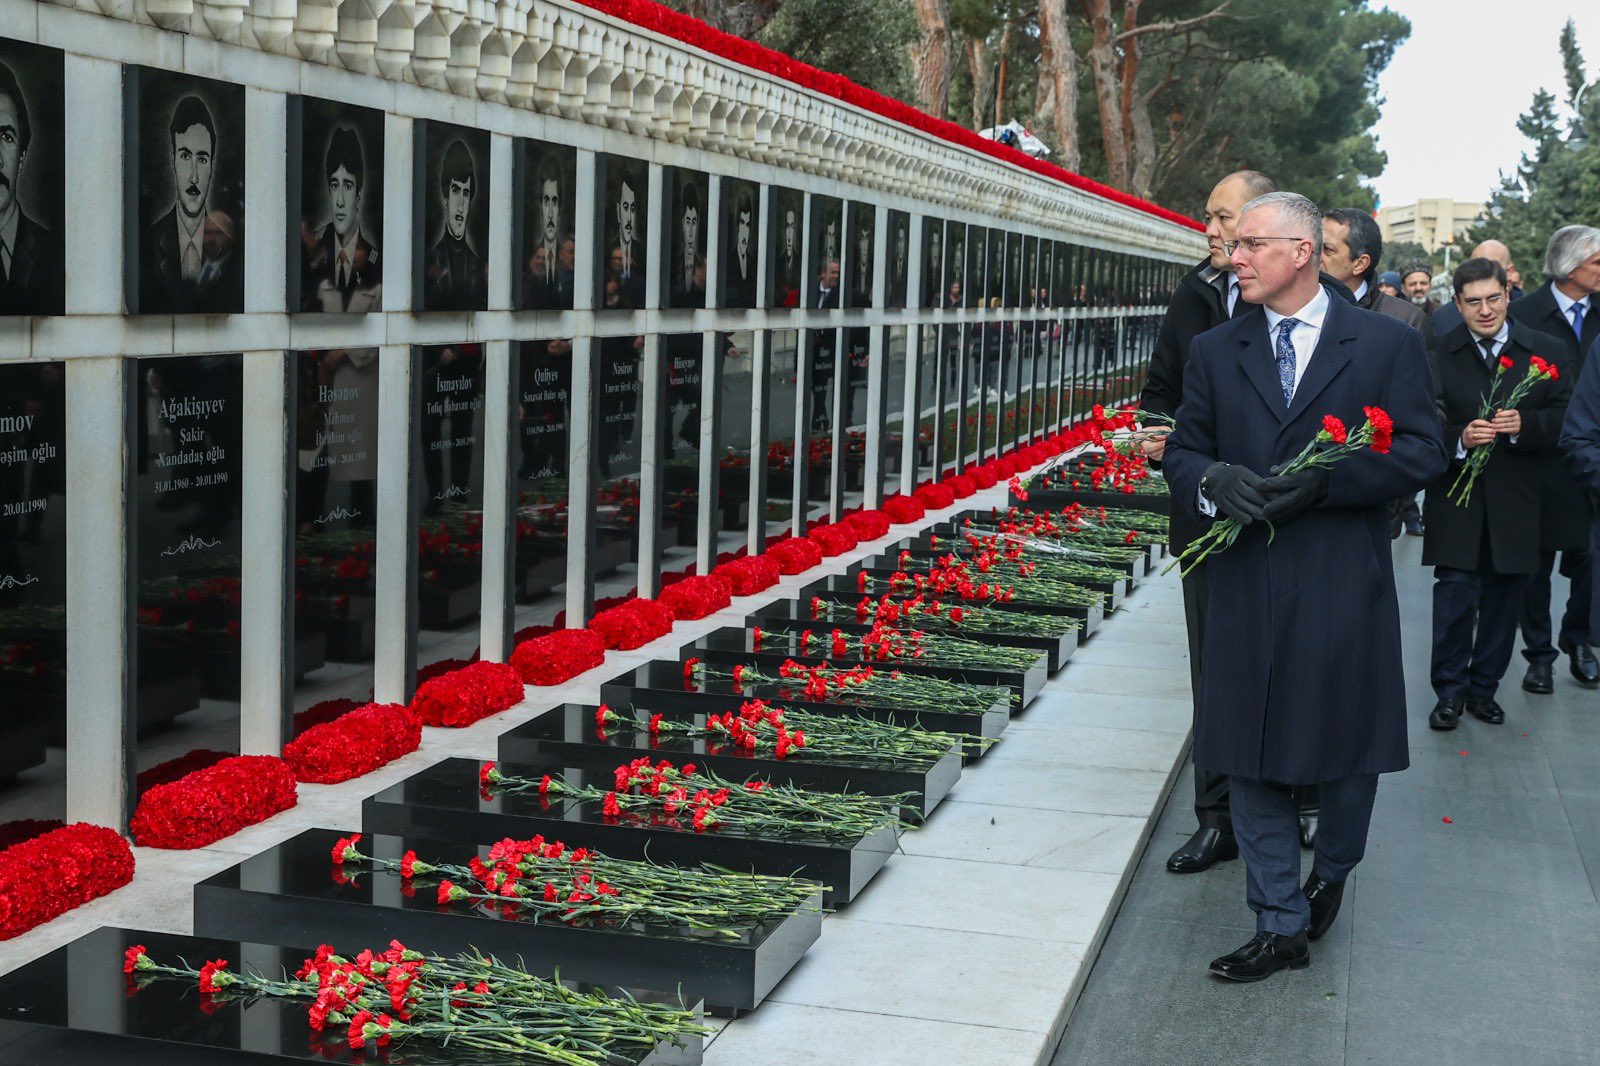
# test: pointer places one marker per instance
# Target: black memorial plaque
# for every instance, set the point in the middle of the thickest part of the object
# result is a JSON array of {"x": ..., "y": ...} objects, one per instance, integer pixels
[
  {"x": 861, "y": 229},
  {"x": 897, "y": 422},
  {"x": 827, "y": 253},
  {"x": 818, "y": 481},
  {"x": 735, "y": 438},
  {"x": 688, "y": 225},
  {"x": 899, "y": 264},
  {"x": 678, "y": 452},
  {"x": 930, "y": 292},
  {"x": 783, "y": 368},
  {"x": 741, "y": 244},
  {"x": 622, "y": 223},
  {"x": 540, "y": 481},
  {"x": 335, "y": 206},
  {"x": 185, "y": 549},
  {"x": 957, "y": 267},
  {"x": 32, "y": 168},
  {"x": 545, "y": 224},
  {"x": 451, "y": 218},
  {"x": 785, "y": 241},
  {"x": 617, "y": 454},
  {"x": 335, "y": 512},
  {"x": 33, "y": 599},
  {"x": 183, "y": 249}
]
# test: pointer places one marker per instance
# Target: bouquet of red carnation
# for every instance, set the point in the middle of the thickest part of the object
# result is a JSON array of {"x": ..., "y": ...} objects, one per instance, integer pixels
[
  {"x": 203, "y": 807},
  {"x": 749, "y": 575},
  {"x": 1003, "y": 466},
  {"x": 795, "y": 555},
  {"x": 868, "y": 525},
  {"x": 319, "y": 713},
  {"x": 463, "y": 696},
  {"x": 57, "y": 871},
  {"x": 632, "y": 624},
  {"x": 935, "y": 497},
  {"x": 171, "y": 770},
  {"x": 984, "y": 477},
  {"x": 832, "y": 539},
  {"x": 902, "y": 510},
  {"x": 1331, "y": 444},
  {"x": 558, "y": 656},
  {"x": 961, "y": 485},
  {"x": 696, "y": 597},
  {"x": 1539, "y": 370},
  {"x": 353, "y": 744}
]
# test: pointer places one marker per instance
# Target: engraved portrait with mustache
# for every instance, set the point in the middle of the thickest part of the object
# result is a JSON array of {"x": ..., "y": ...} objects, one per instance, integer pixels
[
  {"x": 189, "y": 256},
  {"x": 30, "y": 255}
]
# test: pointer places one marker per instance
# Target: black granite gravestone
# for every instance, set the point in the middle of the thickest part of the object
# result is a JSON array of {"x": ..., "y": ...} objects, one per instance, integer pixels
[
  {"x": 617, "y": 453},
  {"x": 786, "y": 283},
  {"x": 335, "y": 215},
  {"x": 686, "y": 228},
  {"x": 539, "y": 483},
  {"x": 32, "y": 179},
  {"x": 621, "y": 226},
  {"x": 451, "y": 196},
  {"x": 741, "y": 242},
  {"x": 783, "y": 368},
  {"x": 544, "y": 224}
]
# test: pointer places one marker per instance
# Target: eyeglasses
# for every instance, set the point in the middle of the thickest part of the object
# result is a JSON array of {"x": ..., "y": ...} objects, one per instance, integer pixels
[
  {"x": 1253, "y": 244},
  {"x": 1492, "y": 300}
]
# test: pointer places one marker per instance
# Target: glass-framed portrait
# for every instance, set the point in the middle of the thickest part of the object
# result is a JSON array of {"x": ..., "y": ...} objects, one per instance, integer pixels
[
  {"x": 1033, "y": 288},
  {"x": 1015, "y": 287},
  {"x": 451, "y": 193},
  {"x": 741, "y": 243},
  {"x": 977, "y": 267},
  {"x": 862, "y": 232},
  {"x": 335, "y": 212},
  {"x": 185, "y": 228},
  {"x": 898, "y": 262},
  {"x": 683, "y": 282},
  {"x": 931, "y": 291},
  {"x": 544, "y": 224},
  {"x": 994, "y": 272},
  {"x": 621, "y": 222},
  {"x": 956, "y": 265},
  {"x": 786, "y": 219},
  {"x": 827, "y": 250},
  {"x": 32, "y": 180}
]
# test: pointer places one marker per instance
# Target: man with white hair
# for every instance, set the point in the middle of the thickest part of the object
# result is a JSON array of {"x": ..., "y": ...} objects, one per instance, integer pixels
[
  {"x": 1565, "y": 309},
  {"x": 1301, "y": 682}
]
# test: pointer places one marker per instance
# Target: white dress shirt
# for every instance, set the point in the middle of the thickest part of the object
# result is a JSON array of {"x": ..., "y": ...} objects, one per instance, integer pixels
[
  {"x": 1565, "y": 302},
  {"x": 8, "y": 239},
  {"x": 191, "y": 246}
]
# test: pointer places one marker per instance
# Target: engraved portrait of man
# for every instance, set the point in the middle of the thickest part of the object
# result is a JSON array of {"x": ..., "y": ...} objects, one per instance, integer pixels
[
  {"x": 454, "y": 275},
  {"x": 31, "y": 276}
]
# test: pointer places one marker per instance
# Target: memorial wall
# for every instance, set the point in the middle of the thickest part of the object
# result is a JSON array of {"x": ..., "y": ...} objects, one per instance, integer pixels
[{"x": 361, "y": 340}]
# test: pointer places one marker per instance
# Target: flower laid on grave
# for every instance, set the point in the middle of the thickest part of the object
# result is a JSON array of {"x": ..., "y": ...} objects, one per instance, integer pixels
[
  {"x": 960, "y": 485},
  {"x": 202, "y": 807},
  {"x": 547, "y": 881},
  {"x": 632, "y": 624},
  {"x": 833, "y": 539},
  {"x": 885, "y": 644},
  {"x": 1539, "y": 371},
  {"x": 692, "y": 598},
  {"x": 861, "y": 685},
  {"x": 163, "y": 773},
  {"x": 467, "y": 694},
  {"x": 958, "y": 581},
  {"x": 903, "y": 510},
  {"x": 48, "y": 875},
  {"x": 935, "y": 497},
  {"x": 1332, "y": 443},
  {"x": 973, "y": 545},
  {"x": 694, "y": 798},
  {"x": 551, "y": 658},
  {"x": 795, "y": 555},
  {"x": 353, "y": 744},
  {"x": 472, "y": 1001},
  {"x": 749, "y": 575},
  {"x": 927, "y": 613},
  {"x": 868, "y": 525}
]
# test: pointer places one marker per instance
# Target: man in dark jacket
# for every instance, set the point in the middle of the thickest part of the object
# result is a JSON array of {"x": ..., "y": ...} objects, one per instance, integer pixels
[
  {"x": 1301, "y": 681},
  {"x": 1563, "y": 309},
  {"x": 1206, "y": 296},
  {"x": 1352, "y": 246},
  {"x": 1483, "y": 550},
  {"x": 1580, "y": 443},
  {"x": 1447, "y": 317}
]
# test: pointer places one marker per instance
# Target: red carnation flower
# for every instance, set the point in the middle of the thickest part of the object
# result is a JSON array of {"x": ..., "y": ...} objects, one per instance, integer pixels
[{"x": 1334, "y": 429}]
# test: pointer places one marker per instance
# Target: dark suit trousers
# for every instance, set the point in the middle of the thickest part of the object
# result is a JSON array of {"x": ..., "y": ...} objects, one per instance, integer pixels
[
  {"x": 1266, "y": 823},
  {"x": 1537, "y": 645},
  {"x": 1210, "y": 789},
  {"x": 1465, "y": 664}
]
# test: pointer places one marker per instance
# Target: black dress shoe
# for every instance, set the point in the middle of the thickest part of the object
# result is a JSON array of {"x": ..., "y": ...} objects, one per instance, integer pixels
[
  {"x": 1485, "y": 709},
  {"x": 1539, "y": 678},
  {"x": 1585, "y": 669},
  {"x": 1264, "y": 956},
  {"x": 1203, "y": 850},
  {"x": 1414, "y": 528},
  {"x": 1324, "y": 897},
  {"x": 1447, "y": 712},
  {"x": 1308, "y": 829}
]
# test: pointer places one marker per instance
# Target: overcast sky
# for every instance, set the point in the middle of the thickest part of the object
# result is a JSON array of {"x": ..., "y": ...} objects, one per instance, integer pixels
[{"x": 1443, "y": 137}]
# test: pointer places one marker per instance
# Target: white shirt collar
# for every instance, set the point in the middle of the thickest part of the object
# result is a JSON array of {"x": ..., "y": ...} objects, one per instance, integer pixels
[
  {"x": 188, "y": 238},
  {"x": 8, "y": 234},
  {"x": 347, "y": 246},
  {"x": 1311, "y": 314},
  {"x": 1499, "y": 338},
  {"x": 1361, "y": 291},
  {"x": 1565, "y": 302}
]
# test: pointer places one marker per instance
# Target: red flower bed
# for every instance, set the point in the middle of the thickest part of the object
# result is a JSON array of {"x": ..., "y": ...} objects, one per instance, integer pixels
[
  {"x": 1002, "y": 467},
  {"x": 695, "y": 597},
  {"x": 632, "y": 624},
  {"x": 463, "y": 696},
  {"x": 164, "y": 773},
  {"x": 440, "y": 668},
  {"x": 794, "y": 556},
  {"x": 868, "y": 525},
  {"x": 556, "y": 657},
  {"x": 320, "y": 713},
  {"x": 692, "y": 31},
  {"x": 749, "y": 576},
  {"x": 51, "y": 874},
  {"x": 353, "y": 744},
  {"x": 935, "y": 497},
  {"x": 983, "y": 476},
  {"x": 961, "y": 485},
  {"x": 904, "y": 509},
  {"x": 203, "y": 807},
  {"x": 832, "y": 539}
]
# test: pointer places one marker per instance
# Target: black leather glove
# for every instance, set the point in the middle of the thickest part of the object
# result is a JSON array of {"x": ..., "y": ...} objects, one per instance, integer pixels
[
  {"x": 1292, "y": 495},
  {"x": 1236, "y": 490}
]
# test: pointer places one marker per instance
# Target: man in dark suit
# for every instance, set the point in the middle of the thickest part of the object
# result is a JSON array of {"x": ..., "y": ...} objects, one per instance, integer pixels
[
  {"x": 32, "y": 281},
  {"x": 1301, "y": 681},
  {"x": 342, "y": 270},
  {"x": 1580, "y": 444},
  {"x": 1206, "y": 296},
  {"x": 1448, "y": 317},
  {"x": 1416, "y": 281},
  {"x": 190, "y": 256},
  {"x": 827, "y": 294},
  {"x": 454, "y": 275},
  {"x": 1563, "y": 309},
  {"x": 1483, "y": 551}
]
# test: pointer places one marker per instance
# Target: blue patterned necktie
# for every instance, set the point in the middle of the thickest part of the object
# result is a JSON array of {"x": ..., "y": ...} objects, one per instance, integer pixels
[
  {"x": 1577, "y": 320},
  {"x": 1284, "y": 351}
]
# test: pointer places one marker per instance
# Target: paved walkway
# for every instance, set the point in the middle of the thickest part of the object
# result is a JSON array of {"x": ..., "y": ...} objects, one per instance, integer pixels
[{"x": 1470, "y": 934}]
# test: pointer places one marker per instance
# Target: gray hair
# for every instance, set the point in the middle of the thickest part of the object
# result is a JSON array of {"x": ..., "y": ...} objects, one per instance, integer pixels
[
  {"x": 1296, "y": 212},
  {"x": 1569, "y": 246}
]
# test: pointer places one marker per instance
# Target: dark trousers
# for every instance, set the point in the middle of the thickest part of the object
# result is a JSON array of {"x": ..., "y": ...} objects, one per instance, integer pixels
[
  {"x": 1467, "y": 664},
  {"x": 1210, "y": 789},
  {"x": 1536, "y": 644},
  {"x": 1266, "y": 823}
]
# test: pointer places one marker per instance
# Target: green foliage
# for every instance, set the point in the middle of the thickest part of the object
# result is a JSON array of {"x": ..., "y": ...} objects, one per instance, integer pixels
[{"x": 865, "y": 40}]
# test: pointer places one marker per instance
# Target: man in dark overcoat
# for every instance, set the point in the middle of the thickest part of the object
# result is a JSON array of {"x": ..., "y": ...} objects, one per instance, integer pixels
[
  {"x": 1580, "y": 444},
  {"x": 1301, "y": 679},
  {"x": 1483, "y": 551},
  {"x": 1563, "y": 308}
]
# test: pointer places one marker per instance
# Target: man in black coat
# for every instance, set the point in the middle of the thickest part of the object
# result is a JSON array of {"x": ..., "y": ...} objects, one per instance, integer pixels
[
  {"x": 1580, "y": 443},
  {"x": 1563, "y": 309},
  {"x": 1206, "y": 297},
  {"x": 1448, "y": 317},
  {"x": 1483, "y": 551},
  {"x": 1301, "y": 681}
]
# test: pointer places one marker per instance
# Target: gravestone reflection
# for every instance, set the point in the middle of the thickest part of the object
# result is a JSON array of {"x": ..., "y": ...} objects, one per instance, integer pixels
[{"x": 544, "y": 390}]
